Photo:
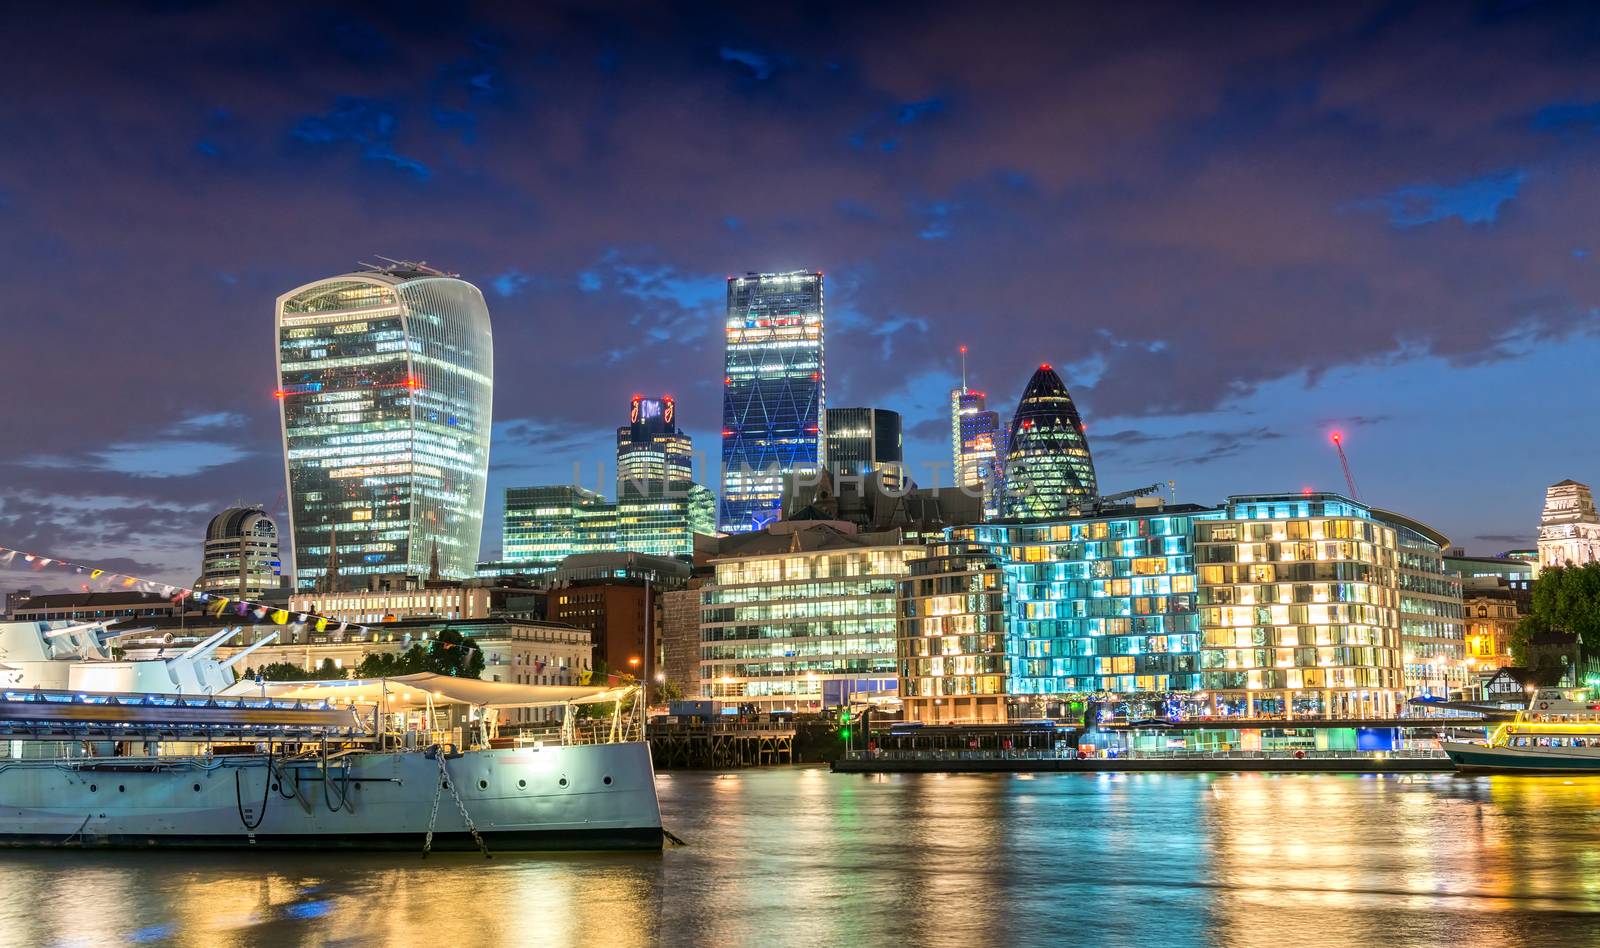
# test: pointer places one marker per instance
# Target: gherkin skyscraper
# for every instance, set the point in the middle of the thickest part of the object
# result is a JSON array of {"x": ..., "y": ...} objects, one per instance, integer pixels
[{"x": 1048, "y": 470}]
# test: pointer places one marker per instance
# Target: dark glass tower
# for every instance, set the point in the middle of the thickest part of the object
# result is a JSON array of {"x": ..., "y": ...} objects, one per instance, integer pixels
[
  {"x": 864, "y": 440},
  {"x": 1048, "y": 470},
  {"x": 774, "y": 403}
]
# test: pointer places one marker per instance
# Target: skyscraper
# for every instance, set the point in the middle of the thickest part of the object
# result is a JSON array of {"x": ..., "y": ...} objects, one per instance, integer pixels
[
  {"x": 864, "y": 440},
  {"x": 1048, "y": 470},
  {"x": 386, "y": 378},
  {"x": 650, "y": 448},
  {"x": 774, "y": 403},
  {"x": 241, "y": 555},
  {"x": 974, "y": 453},
  {"x": 659, "y": 506}
]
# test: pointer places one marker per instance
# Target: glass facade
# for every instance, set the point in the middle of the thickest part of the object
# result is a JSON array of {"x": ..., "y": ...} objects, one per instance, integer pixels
[
  {"x": 774, "y": 401},
  {"x": 664, "y": 523},
  {"x": 651, "y": 450},
  {"x": 951, "y": 647},
  {"x": 1299, "y": 607},
  {"x": 976, "y": 446},
  {"x": 241, "y": 555},
  {"x": 1279, "y": 605},
  {"x": 1432, "y": 628},
  {"x": 864, "y": 440},
  {"x": 545, "y": 525},
  {"x": 1101, "y": 604},
  {"x": 802, "y": 630},
  {"x": 1048, "y": 471},
  {"x": 385, "y": 393}
]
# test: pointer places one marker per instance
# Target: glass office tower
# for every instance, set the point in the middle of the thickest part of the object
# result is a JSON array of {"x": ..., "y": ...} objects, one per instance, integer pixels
[
  {"x": 385, "y": 388},
  {"x": 864, "y": 440},
  {"x": 976, "y": 446},
  {"x": 774, "y": 402},
  {"x": 651, "y": 449},
  {"x": 544, "y": 525},
  {"x": 1048, "y": 470}
]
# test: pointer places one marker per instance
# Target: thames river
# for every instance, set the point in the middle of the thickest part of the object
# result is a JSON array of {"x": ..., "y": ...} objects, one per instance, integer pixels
[{"x": 801, "y": 856}]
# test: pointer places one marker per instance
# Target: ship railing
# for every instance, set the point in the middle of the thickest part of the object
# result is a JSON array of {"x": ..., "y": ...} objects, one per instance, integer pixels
[{"x": 1072, "y": 754}]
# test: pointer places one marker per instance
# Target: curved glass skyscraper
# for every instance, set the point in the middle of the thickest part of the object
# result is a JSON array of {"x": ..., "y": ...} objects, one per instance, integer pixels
[
  {"x": 385, "y": 386},
  {"x": 1048, "y": 470}
]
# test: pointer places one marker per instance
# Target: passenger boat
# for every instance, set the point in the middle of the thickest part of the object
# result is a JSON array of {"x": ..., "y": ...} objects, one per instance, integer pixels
[
  {"x": 408, "y": 763},
  {"x": 1557, "y": 733}
]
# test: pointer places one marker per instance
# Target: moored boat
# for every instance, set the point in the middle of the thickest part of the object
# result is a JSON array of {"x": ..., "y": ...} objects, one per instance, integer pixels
[
  {"x": 411, "y": 763},
  {"x": 1557, "y": 733}
]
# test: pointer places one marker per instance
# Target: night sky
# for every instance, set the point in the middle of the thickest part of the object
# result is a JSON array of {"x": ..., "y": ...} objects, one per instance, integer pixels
[{"x": 1231, "y": 229}]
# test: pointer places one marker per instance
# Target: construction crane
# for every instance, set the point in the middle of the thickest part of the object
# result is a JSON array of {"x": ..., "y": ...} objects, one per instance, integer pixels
[{"x": 1349, "y": 479}]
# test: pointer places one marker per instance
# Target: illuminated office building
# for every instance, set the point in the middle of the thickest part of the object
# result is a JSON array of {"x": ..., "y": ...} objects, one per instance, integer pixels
[
  {"x": 659, "y": 506},
  {"x": 663, "y": 523},
  {"x": 774, "y": 402},
  {"x": 1101, "y": 604},
  {"x": 1300, "y": 607},
  {"x": 951, "y": 644},
  {"x": 544, "y": 525},
  {"x": 241, "y": 555},
  {"x": 802, "y": 615},
  {"x": 651, "y": 449},
  {"x": 385, "y": 384},
  {"x": 975, "y": 446},
  {"x": 862, "y": 441},
  {"x": 1048, "y": 471},
  {"x": 1432, "y": 632}
]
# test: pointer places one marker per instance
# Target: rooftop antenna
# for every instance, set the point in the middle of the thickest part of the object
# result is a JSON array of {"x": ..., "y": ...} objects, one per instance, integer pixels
[
  {"x": 1349, "y": 479},
  {"x": 963, "y": 370}
]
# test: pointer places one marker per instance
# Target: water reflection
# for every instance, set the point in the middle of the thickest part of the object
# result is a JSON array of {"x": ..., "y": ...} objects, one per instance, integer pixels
[{"x": 801, "y": 856}]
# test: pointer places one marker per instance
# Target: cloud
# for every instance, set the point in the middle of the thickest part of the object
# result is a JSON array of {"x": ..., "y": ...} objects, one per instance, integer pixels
[
  {"x": 1510, "y": 539},
  {"x": 761, "y": 66},
  {"x": 364, "y": 122},
  {"x": 1474, "y": 201}
]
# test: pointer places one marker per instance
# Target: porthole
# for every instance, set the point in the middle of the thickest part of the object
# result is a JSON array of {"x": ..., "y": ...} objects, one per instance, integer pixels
[
  {"x": 275, "y": 786},
  {"x": 93, "y": 788},
  {"x": 483, "y": 785},
  {"x": 196, "y": 788},
  {"x": 563, "y": 781},
  {"x": 121, "y": 788},
  {"x": 522, "y": 784},
  {"x": 607, "y": 781}
]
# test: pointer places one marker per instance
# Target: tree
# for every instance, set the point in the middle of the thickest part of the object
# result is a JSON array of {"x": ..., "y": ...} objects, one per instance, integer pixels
[
  {"x": 668, "y": 692},
  {"x": 1565, "y": 613},
  {"x": 288, "y": 671},
  {"x": 450, "y": 653}
]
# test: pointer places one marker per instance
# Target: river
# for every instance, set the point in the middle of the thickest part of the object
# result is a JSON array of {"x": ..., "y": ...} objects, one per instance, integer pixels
[{"x": 802, "y": 856}]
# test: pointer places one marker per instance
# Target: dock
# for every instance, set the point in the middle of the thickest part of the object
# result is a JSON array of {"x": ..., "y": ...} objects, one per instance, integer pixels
[
  {"x": 689, "y": 745},
  {"x": 1242, "y": 762}
]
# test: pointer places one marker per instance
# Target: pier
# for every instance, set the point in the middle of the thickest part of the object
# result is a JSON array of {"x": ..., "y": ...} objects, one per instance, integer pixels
[{"x": 721, "y": 744}]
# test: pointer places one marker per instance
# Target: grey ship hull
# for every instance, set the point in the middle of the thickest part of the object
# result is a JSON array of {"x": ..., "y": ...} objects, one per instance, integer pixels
[{"x": 594, "y": 796}]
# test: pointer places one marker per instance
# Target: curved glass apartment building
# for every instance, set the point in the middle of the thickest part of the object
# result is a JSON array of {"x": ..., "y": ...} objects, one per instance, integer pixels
[
  {"x": 1048, "y": 470},
  {"x": 385, "y": 388}
]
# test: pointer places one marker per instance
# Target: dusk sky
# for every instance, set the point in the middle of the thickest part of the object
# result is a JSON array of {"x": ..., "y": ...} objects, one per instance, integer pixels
[{"x": 1231, "y": 229}]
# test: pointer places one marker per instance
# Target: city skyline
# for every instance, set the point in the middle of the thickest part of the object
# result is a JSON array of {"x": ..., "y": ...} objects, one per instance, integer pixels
[{"x": 1193, "y": 260}]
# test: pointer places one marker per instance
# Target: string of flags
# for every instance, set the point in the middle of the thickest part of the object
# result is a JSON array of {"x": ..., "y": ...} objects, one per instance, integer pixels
[{"x": 215, "y": 605}]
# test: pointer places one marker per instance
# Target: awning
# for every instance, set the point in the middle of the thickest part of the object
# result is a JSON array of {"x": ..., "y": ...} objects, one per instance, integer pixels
[{"x": 414, "y": 691}]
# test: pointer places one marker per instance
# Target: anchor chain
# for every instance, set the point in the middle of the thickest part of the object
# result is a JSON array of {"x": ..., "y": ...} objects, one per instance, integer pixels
[{"x": 433, "y": 817}]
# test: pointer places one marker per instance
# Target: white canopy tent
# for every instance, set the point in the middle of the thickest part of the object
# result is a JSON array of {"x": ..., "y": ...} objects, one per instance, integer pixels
[{"x": 428, "y": 688}]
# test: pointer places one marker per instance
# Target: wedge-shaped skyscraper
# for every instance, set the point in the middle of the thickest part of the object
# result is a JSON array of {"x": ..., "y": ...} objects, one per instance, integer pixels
[
  {"x": 385, "y": 386},
  {"x": 1048, "y": 470}
]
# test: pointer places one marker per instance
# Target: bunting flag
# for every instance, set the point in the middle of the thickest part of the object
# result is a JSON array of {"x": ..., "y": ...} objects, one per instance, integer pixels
[{"x": 216, "y": 605}]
